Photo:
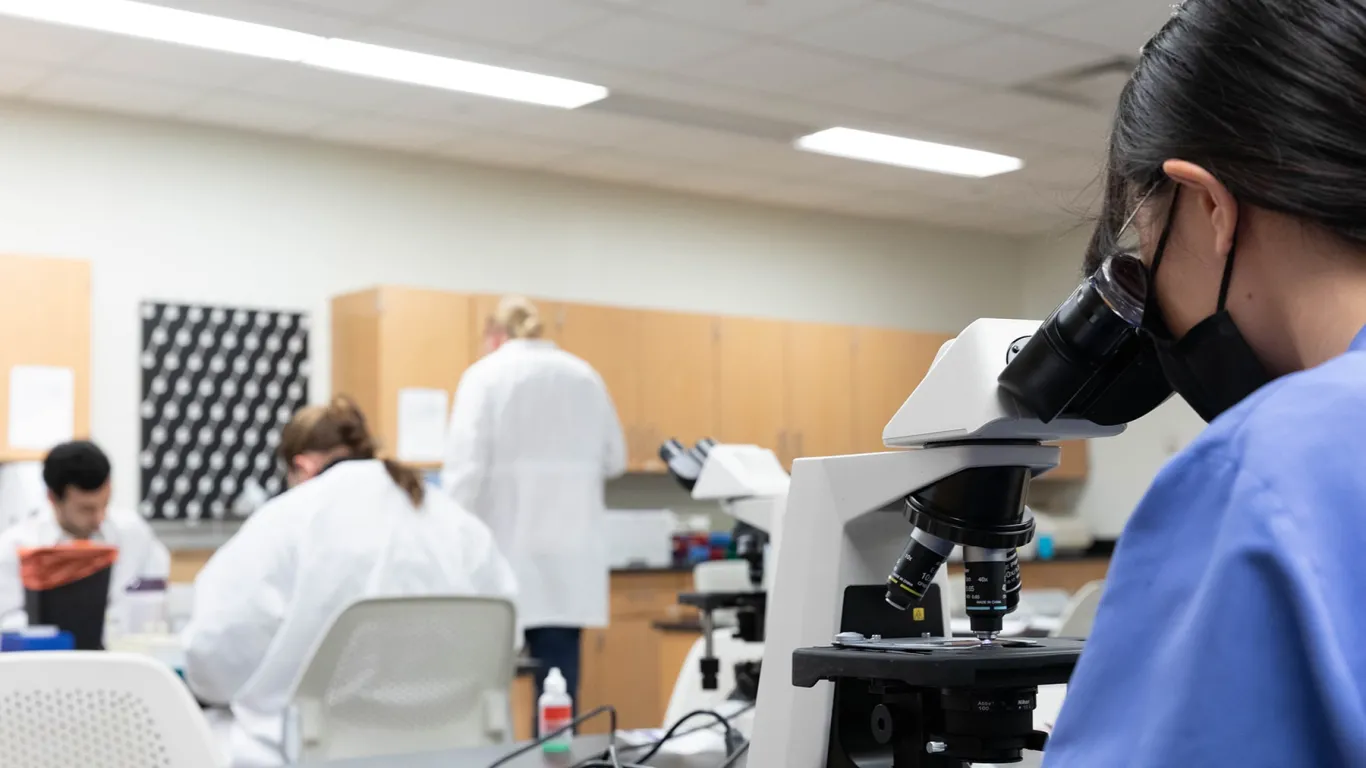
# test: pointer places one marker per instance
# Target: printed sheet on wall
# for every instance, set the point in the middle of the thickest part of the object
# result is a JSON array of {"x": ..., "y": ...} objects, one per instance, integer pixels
[{"x": 218, "y": 385}]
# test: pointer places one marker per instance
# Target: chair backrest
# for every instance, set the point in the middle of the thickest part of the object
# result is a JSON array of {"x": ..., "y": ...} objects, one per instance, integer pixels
[
  {"x": 407, "y": 674},
  {"x": 1080, "y": 614},
  {"x": 68, "y": 708}
]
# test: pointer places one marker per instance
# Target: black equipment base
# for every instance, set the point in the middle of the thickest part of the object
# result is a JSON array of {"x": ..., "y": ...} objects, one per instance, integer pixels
[
  {"x": 1046, "y": 661},
  {"x": 935, "y": 708}
]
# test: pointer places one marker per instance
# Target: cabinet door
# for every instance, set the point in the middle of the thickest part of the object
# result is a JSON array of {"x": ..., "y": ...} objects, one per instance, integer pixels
[
  {"x": 44, "y": 321},
  {"x": 1074, "y": 463},
  {"x": 423, "y": 343},
  {"x": 620, "y": 667},
  {"x": 888, "y": 365},
  {"x": 677, "y": 380},
  {"x": 820, "y": 397},
  {"x": 750, "y": 396},
  {"x": 608, "y": 338}
]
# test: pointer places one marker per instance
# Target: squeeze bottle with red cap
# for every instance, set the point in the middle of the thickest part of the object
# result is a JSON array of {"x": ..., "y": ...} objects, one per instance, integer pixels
[{"x": 555, "y": 710}]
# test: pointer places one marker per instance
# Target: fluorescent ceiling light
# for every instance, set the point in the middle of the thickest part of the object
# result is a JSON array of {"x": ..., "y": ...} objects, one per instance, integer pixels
[
  {"x": 154, "y": 22},
  {"x": 908, "y": 153},
  {"x": 453, "y": 74},
  {"x": 170, "y": 25}
]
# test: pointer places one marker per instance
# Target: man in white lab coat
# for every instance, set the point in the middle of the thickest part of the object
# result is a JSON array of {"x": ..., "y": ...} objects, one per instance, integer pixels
[
  {"x": 533, "y": 437},
  {"x": 77, "y": 508}
]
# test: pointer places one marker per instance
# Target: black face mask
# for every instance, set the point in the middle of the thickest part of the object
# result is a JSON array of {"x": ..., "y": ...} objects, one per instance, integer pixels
[{"x": 1212, "y": 366}]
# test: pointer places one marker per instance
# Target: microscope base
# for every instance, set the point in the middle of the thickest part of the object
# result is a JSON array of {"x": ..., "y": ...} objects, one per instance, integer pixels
[{"x": 937, "y": 708}]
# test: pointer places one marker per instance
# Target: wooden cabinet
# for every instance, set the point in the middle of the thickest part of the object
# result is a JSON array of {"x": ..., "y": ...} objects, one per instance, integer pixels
[
  {"x": 606, "y": 338},
  {"x": 819, "y": 369},
  {"x": 888, "y": 366},
  {"x": 800, "y": 389},
  {"x": 1074, "y": 464},
  {"x": 622, "y": 662},
  {"x": 387, "y": 339},
  {"x": 44, "y": 321},
  {"x": 751, "y": 382},
  {"x": 677, "y": 366}
]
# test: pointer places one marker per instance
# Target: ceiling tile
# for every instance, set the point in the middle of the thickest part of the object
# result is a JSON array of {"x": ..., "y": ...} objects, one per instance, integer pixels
[
  {"x": 289, "y": 15},
  {"x": 365, "y": 9},
  {"x": 1002, "y": 111},
  {"x": 889, "y": 31},
  {"x": 1121, "y": 26},
  {"x": 505, "y": 149},
  {"x": 741, "y": 101},
  {"x": 764, "y": 16},
  {"x": 516, "y": 22},
  {"x": 587, "y": 127},
  {"x": 775, "y": 68},
  {"x": 15, "y": 76},
  {"x": 889, "y": 91},
  {"x": 115, "y": 94},
  {"x": 1075, "y": 172},
  {"x": 892, "y": 204},
  {"x": 46, "y": 43},
  {"x": 636, "y": 42},
  {"x": 335, "y": 91},
  {"x": 258, "y": 113},
  {"x": 1003, "y": 11},
  {"x": 610, "y": 165},
  {"x": 1085, "y": 130},
  {"x": 1006, "y": 58},
  {"x": 388, "y": 132},
  {"x": 165, "y": 62}
]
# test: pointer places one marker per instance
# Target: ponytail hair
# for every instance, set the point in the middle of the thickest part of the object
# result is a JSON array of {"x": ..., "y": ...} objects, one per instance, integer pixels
[
  {"x": 518, "y": 318},
  {"x": 340, "y": 426}
]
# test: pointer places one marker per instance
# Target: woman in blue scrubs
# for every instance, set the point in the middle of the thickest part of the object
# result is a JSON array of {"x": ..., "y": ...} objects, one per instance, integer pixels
[{"x": 1233, "y": 628}]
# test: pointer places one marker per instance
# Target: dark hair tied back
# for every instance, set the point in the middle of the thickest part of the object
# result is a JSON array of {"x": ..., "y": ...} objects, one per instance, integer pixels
[{"x": 1269, "y": 96}]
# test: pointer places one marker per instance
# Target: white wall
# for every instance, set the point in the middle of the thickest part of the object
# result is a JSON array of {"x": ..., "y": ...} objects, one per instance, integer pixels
[
  {"x": 182, "y": 213},
  {"x": 1121, "y": 467}
]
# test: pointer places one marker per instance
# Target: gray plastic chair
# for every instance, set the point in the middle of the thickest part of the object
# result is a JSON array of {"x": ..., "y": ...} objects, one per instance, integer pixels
[
  {"x": 1080, "y": 614},
  {"x": 67, "y": 708},
  {"x": 407, "y": 674}
]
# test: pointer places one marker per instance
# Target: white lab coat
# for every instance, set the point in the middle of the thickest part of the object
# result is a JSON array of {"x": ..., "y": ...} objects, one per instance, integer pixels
[
  {"x": 141, "y": 555},
  {"x": 533, "y": 436},
  {"x": 266, "y": 597}
]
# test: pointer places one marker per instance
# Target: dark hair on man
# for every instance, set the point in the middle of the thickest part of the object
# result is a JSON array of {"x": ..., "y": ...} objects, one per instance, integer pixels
[
  {"x": 1266, "y": 95},
  {"x": 79, "y": 464}
]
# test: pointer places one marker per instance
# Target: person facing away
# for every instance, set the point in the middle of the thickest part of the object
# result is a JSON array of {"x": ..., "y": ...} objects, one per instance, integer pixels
[
  {"x": 351, "y": 526},
  {"x": 533, "y": 436},
  {"x": 77, "y": 509},
  {"x": 1231, "y": 631}
]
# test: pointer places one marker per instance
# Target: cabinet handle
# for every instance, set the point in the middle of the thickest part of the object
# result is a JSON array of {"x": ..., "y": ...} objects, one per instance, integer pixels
[
  {"x": 782, "y": 445},
  {"x": 799, "y": 453}
]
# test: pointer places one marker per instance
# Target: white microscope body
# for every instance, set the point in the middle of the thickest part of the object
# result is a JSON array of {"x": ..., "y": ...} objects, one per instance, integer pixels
[
  {"x": 751, "y": 486},
  {"x": 843, "y": 523}
]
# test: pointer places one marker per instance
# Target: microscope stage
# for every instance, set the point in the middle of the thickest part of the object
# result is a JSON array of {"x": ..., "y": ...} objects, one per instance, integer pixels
[{"x": 1002, "y": 663}]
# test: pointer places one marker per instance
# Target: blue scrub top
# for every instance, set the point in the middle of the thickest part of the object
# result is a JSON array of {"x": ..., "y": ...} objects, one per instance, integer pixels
[{"x": 1232, "y": 631}]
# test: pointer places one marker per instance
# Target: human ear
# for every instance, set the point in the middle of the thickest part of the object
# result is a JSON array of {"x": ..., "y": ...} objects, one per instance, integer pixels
[{"x": 1213, "y": 201}]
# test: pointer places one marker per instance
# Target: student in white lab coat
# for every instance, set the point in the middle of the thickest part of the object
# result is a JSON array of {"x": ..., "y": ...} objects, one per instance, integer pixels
[
  {"x": 533, "y": 436},
  {"x": 351, "y": 526},
  {"x": 77, "y": 508}
]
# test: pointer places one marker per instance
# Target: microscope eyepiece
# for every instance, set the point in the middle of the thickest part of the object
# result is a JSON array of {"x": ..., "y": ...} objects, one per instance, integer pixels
[
  {"x": 684, "y": 467},
  {"x": 1088, "y": 358}
]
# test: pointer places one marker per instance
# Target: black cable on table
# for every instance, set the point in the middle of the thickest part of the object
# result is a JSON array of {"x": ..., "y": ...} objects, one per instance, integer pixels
[
  {"x": 571, "y": 725},
  {"x": 673, "y": 733}
]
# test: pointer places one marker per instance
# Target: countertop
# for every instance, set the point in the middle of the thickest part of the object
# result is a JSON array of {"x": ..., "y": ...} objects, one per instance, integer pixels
[
  {"x": 585, "y": 747},
  {"x": 627, "y": 571}
]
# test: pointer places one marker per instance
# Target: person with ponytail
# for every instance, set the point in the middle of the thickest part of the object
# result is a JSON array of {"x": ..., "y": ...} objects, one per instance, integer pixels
[
  {"x": 1232, "y": 630},
  {"x": 533, "y": 437},
  {"x": 351, "y": 526}
]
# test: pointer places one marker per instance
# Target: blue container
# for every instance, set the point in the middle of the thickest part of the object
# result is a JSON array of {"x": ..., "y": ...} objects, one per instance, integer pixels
[{"x": 37, "y": 639}]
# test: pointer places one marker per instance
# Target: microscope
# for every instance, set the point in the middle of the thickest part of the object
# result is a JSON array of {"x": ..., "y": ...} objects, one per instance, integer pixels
[
  {"x": 751, "y": 486},
  {"x": 845, "y": 683}
]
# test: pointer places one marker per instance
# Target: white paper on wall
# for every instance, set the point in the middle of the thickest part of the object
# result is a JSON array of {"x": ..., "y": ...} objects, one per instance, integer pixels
[
  {"x": 422, "y": 419},
  {"x": 42, "y": 406}
]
